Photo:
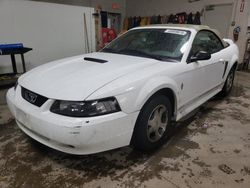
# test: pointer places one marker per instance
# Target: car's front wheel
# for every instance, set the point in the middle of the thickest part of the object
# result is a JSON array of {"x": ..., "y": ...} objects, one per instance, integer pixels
[{"x": 153, "y": 124}]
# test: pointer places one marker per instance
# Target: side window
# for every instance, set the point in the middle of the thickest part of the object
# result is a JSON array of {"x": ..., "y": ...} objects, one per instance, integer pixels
[{"x": 206, "y": 41}]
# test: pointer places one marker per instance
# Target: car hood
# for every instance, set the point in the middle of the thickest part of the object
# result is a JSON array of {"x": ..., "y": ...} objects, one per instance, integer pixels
[{"x": 75, "y": 78}]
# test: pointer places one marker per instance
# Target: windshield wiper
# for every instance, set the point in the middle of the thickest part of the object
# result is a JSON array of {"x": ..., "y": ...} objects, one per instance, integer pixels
[
  {"x": 138, "y": 53},
  {"x": 110, "y": 50},
  {"x": 144, "y": 54}
]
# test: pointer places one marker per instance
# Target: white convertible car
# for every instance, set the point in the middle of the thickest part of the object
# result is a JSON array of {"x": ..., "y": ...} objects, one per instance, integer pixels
[{"x": 126, "y": 94}]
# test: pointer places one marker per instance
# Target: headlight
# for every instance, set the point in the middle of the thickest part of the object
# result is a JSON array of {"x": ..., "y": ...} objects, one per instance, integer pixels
[{"x": 86, "y": 108}]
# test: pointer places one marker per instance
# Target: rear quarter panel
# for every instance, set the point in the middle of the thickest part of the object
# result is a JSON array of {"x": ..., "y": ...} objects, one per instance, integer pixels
[{"x": 232, "y": 53}]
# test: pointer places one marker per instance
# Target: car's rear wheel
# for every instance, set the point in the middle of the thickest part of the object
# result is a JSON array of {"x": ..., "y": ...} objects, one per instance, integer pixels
[
  {"x": 228, "y": 84},
  {"x": 153, "y": 124}
]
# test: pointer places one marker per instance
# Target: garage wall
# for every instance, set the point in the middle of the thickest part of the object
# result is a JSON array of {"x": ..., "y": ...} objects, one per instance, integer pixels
[
  {"x": 105, "y": 4},
  {"x": 54, "y": 31},
  {"x": 85, "y": 3},
  {"x": 249, "y": 20},
  {"x": 241, "y": 20},
  {"x": 167, "y": 7},
  {"x": 151, "y": 7}
]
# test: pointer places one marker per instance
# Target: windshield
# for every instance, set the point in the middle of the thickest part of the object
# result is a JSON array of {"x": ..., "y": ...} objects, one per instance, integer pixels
[{"x": 160, "y": 44}]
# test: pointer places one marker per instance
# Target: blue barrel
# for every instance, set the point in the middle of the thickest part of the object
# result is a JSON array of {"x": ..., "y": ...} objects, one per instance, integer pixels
[{"x": 11, "y": 46}]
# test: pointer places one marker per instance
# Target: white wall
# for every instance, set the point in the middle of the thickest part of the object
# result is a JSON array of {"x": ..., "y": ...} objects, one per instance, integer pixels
[
  {"x": 105, "y": 4},
  {"x": 54, "y": 31},
  {"x": 249, "y": 20}
]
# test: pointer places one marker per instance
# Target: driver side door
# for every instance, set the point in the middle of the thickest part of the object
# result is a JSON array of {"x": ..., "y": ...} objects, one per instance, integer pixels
[
  {"x": 201, "y": 78},
  {"x": 214, "y": 67}
]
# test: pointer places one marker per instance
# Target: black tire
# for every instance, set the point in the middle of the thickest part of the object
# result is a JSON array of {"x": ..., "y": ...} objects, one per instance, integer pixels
[
  {"x": 143, "y": 138},
  {"x": 228, "y": 83}
]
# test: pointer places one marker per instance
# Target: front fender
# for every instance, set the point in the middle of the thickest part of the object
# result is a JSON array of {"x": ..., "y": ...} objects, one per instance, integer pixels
[
  {"x": 152, "y": 86},
  {"x": 133, "y": 95},
  {"x": 135, "y": 99},
  {"x": 233, "y": 60}
]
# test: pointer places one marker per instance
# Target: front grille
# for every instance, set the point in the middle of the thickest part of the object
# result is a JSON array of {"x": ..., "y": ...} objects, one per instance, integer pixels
[{"x": 33, "y": 98}]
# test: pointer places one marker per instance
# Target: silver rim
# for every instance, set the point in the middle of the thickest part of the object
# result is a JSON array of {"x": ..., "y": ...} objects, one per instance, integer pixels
[
  {"x": 230, "y": 81},
  {"x": 157, "y": 123}
]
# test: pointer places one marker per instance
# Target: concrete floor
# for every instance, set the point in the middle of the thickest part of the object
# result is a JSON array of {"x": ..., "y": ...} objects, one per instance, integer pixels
[{"x": 211, "y": 149}]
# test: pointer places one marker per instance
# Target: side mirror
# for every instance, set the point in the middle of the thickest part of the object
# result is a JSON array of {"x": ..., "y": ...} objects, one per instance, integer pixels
[{"x": 199, "y": 56}]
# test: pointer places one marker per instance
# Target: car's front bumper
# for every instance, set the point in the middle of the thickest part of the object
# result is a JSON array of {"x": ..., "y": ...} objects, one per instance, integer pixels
[{"x": 71, "y": 135}]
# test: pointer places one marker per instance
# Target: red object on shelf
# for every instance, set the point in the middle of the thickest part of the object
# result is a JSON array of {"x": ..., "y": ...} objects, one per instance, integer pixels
[
  {"x": 107, "y": 36},
  {"x": 115, "y": 6}
]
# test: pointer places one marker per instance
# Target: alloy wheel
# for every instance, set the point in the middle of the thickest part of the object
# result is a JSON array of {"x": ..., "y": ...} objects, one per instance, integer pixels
[{"x": 157, "y": 123}]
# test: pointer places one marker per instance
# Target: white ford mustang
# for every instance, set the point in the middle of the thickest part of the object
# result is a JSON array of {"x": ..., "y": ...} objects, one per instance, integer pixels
[{"x": 128, "y": 93}]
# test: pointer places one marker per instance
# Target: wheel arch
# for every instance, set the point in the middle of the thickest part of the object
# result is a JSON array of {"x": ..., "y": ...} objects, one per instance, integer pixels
[
  {"x": 168, "y": 90},
  {"x": 169, "y": 93},
  {"x": 234, "y": 62},
  {"x": 164, "y": 91},
  {"x": 235, "y": 65}
]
